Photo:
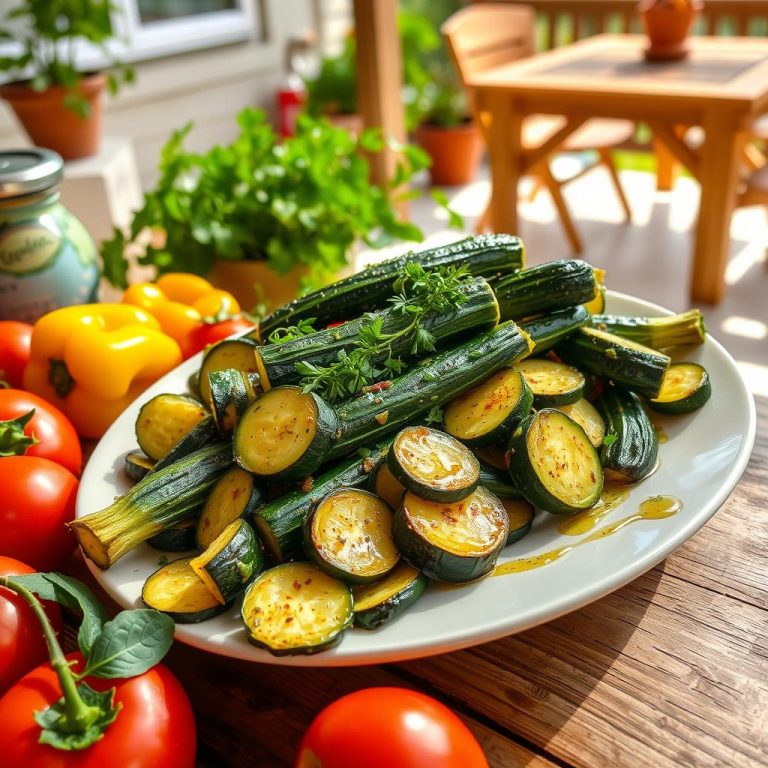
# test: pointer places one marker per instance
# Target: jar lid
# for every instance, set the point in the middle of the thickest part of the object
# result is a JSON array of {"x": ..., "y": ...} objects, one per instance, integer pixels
[{"x": 26, "y": 171}]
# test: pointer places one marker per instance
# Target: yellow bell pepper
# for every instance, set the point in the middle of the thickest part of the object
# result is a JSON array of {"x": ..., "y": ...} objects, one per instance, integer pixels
[
  {"x": 93, "y": 360},
  {"x": 180, "y": 302}
]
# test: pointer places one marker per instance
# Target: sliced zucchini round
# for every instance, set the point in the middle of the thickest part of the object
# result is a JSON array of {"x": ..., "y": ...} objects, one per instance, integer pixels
[
  {"x": 348, "y": 534},
  {"x": 433, "y": 465},
  {"x": 686, "y": 387},
  {"x": 386, "y": 486},
  {"x": 520, "y": 513},
  {"x": 229, "y": 353},
  {"x": 452, "y": 542},
  {"x": 235, "y": 494},
  {"x": 554, "y": 464},
  {"x": 137, "y": 465},
  {"x": 487, "y": 414},
  {"x": 229, "y": 398},
  {"x": 204, "y": 433},
  {"x": 553, "y": 384},
  {"x": 295, "y": 608},
  {"x": 164, "y": 420},
  {"x": 177, "y": 538},
  {"x": 176, "y": 590},
  {"x": 378, "y": 603},
  {"x": 230, "y": 562},
  {"x": 285, "y": 434},
  {"x": 586, "y": 416}
]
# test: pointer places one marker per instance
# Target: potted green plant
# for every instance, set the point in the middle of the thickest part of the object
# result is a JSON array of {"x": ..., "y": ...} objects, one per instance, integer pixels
[
  {"x": 285, "y": 213},
  {"x": 58, "y": 105}
]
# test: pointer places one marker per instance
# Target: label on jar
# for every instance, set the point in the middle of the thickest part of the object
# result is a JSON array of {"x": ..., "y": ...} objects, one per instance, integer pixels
[{"x": 27, "y": 248}]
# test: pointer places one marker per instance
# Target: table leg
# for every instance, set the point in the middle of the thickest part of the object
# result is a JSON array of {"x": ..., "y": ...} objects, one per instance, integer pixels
[
  {"x": 666, "y": 167},
  {"x": 504, "y": 151},
  {"x": 719, "y": 167}
]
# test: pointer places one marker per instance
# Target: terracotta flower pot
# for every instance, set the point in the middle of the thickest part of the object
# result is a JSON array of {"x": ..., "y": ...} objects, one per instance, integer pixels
[
  {"x": 50, "y": 124},
  {"x": 667, "y": 24},
  {"x": 455, "y": 152}
]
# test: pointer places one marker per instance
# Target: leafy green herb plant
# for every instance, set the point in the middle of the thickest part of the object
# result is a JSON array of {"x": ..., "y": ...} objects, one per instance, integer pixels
[
  {"x": 419, "y": 293},
  {"x": 127, "y": 646},
  {"x": 304, "y": 201},
  {"x": 47, "y": 43}
]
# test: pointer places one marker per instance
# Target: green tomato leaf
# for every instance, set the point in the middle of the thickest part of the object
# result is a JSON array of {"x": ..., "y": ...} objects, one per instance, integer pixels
[
  {"x": 57, "y": 731},
  {"x": 130, "y": 644},
  {"x": 73, "y": 594}
]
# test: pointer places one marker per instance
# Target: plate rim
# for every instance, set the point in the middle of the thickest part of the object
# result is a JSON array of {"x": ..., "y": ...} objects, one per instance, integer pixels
[{"x": 465, "y": 637}]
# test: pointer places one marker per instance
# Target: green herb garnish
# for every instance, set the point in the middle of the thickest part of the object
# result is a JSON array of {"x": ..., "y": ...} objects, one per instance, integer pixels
[
  {"x": 419, "y": 293},
  {"x": 304, "y": 327},
  {"x": 609, "y": 440}
]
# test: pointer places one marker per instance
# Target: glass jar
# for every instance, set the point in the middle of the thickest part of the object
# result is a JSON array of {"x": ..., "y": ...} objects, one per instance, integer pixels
[{"x": 47, "y": 258}]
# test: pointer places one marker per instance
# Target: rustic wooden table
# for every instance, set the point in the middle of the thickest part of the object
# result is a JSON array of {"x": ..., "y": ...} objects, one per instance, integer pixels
[
  {"x": 722, "y": 86},
  {"x": 671, "y": 670}
]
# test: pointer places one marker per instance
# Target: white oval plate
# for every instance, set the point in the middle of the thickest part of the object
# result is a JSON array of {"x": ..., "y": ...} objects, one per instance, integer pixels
[{"x": 701, "y": 463}]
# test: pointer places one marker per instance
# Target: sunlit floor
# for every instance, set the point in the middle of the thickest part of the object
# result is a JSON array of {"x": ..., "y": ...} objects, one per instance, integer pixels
[{"x": 649, "y": 257}]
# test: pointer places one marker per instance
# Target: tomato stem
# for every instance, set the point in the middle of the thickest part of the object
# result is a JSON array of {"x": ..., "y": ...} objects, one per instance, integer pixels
[{"x": 78, "y": 716}]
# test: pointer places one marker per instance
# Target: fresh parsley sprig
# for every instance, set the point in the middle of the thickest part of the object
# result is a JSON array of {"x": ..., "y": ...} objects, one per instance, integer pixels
[
  {"x": 376, "y": 355},
  {"x": 304, "y": 327}
]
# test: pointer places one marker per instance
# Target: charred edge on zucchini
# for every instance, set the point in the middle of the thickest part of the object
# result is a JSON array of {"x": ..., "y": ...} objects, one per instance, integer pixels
[
  {"x": 433, "y": 465},
  {"x": 295, "y": 608},
  {"x": 164, "y": 420},
  {"x": 348, "y": 534},
  {"x": 487, "y": 414},
  {"x": 379, "y": 603},
  {"x": 554, "y": 464},
  {"x": 176, "y": 590},
  {"x": 455, "y": 542},
  {"x": 285, "y": 434},
  {"x": 633, "y": 453}
]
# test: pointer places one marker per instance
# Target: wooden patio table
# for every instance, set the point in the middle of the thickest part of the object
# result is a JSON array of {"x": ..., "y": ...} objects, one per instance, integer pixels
[
  {"x": 670, "y": 671},
  {"x": 722, "y": 86}
]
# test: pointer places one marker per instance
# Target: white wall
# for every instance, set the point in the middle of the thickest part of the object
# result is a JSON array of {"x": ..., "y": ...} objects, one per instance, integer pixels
[{"x": 209, "y": 87}]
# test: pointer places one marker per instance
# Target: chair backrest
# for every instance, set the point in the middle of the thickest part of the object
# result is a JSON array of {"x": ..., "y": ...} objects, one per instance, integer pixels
[{"x": 486, "y": 35}]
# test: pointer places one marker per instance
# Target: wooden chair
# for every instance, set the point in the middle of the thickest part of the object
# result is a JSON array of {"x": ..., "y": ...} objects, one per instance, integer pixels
[{"x": 486, "y": 35}]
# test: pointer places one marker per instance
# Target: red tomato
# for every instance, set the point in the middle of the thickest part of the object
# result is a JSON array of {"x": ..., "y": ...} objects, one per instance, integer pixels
[
  {"x": 58, "y": 440},
  {"x": 22, "y": 645},
  {"x": 154, "y": 729},
  {"x": 209, "y": 333},
  {"x": 37, "y": 498},
  {"x": 15, "y": 339},
  {"x": 387, "y": 727}
]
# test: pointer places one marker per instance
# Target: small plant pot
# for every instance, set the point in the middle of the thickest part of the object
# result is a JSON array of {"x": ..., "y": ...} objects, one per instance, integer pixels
[
  {"x": 667, "y": 24},
  {"x": 50, "y": 124},
  {"x": 455, "y": 151}
]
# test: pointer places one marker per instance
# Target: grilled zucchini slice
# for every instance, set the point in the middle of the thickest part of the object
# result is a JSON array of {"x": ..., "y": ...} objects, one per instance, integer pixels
[
  {"x": 177, "y": 538},
  {"x": 137, "y": 465},
  {"x": 229, "y": 353},
  {"x": 236, "y": 494},
  {"x": 686, "y": 387},
  {"x": 204, "y": 433},
  {"x": 386, "y": 486},
  {"x": 285, "y": 434},
  {"x": 230, "y": 396},
  {"x": 295, "y": 608},
  {"x": 379, "y": 603},
  {"x": 348, "y": 534},
  {"x": 586, "y": 416},
  {"x": 164, "y": 420},
  {"x": 433, "y": 465},
  {"x": 553, "y": 384},
  {"x": 554, "y": 464},
  {"x": 451, "y": 542},
  {"x": 230, "y": 561},
  {"x": 486, "y": 415},
  {"x": 176, "y": 590},
  {"x": 520, "y": 513}
]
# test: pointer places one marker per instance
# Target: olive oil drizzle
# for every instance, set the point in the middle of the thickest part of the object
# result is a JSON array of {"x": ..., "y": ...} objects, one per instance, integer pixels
[
  {"x": 582, "y": 522},
  {"x": 653, "y": 508}
]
